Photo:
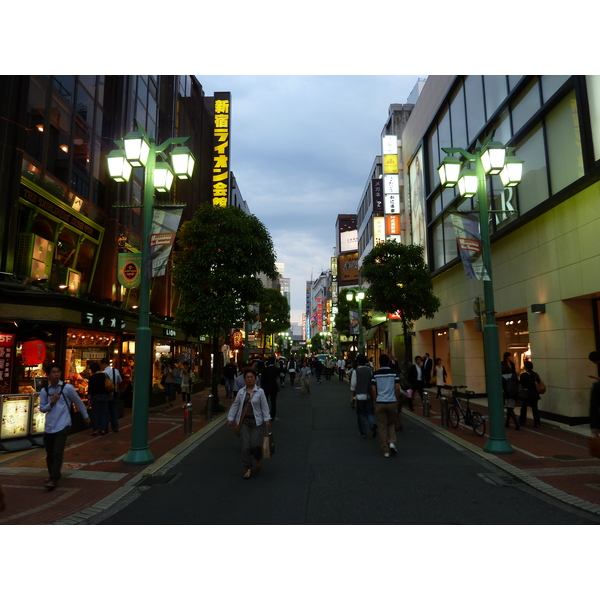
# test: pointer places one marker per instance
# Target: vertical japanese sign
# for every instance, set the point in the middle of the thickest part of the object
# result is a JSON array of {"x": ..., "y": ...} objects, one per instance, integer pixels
[
  {"x": 334, "y": 289},
  {"x": 165, "y": 223},
  {"x": 221, "y": 148},
  {"x": 7, "y": 352},
  {"x": 377, "y": 193},
  {"x": 391, "y": 180},
  {"x": 468, "y": 237}
]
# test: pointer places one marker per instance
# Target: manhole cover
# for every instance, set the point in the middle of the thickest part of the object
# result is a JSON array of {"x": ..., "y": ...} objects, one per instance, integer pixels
[
  {"x": 564, "y": 457},
  {"x": 157, "y": 479}
]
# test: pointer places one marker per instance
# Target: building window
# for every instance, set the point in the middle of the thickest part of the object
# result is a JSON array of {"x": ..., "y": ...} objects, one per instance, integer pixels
[
  {"x": 593, "y": 89},
  {"x": 475, "y": 108},
  {"x": 564, "y": 144},
  {"x": 533, "y": 188},
  {"x": 526, "y": 105},
  {"x": 495, "y": 92}
]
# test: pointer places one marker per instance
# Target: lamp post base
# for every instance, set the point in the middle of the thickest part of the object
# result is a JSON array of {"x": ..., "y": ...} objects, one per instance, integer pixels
[
  {"x": 498, "y": 447},
  {"x": 141, "y": 456}
]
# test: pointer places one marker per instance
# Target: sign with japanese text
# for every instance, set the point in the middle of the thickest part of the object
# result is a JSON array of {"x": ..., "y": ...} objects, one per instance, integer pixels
[
  {"x": 15, "y": 416},
  {"x": 392, "y": 225},
  {"x": 377, "y": 193},
  {"x": 7, "y": 351},
  {"x": 349, "y": 268},
  {"x": 389, "y": 144},
  {"x": 468, "y": 237},
  {"x": 390, "y": 163},
  {"x": 102, "y": 320},
  {"x": 378, "y": 230},
  {"x": 221, "y": 148}
]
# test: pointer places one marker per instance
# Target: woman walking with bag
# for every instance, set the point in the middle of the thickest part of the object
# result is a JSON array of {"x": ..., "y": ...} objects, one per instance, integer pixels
[
  {"x": 250, "y": 411},
  {"x": 510, "y": 389}
]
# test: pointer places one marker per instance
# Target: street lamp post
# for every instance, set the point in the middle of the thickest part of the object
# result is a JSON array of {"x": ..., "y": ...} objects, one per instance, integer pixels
[
  {"x": 137, "y": 150},
  {"x": 360, "y": 295},
  {"x": 490, "y": 159}
]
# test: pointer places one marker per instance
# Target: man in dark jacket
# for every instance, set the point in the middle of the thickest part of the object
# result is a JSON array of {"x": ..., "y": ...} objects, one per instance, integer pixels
[
  {"x": 416, "y": 378},
  {"x": 269, "y": 385},
  {"x": 427, "y": 367}
]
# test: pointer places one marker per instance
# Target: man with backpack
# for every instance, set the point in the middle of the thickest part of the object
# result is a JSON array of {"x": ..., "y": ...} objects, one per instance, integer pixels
[
  {"x": 113, "y": 398},
  {"x": 55, "y": 401}
]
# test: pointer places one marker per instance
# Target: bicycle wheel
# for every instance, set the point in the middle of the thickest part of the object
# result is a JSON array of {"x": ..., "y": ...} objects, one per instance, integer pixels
[
  {"x": 453, "y": 416},
  {"x": 478, "y": 424}
]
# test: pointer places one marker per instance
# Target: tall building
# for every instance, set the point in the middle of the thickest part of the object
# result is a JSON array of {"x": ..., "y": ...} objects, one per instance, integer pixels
[
  {"x": 545, "y": 254},
  {"x": 64, "y": 222}
]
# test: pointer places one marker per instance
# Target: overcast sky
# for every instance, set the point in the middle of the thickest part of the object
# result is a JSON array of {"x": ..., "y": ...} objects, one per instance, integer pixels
[{"x": 302, "y": 148}]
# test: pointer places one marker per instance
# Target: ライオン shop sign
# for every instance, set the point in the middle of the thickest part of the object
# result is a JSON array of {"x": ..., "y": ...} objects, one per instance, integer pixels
[{"x": 221, "y": 149}]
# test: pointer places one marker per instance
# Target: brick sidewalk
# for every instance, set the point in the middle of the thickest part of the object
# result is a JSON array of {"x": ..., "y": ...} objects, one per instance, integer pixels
[
  {"x": 93, "y": 467},
  {"x": 550, "y": 458}
]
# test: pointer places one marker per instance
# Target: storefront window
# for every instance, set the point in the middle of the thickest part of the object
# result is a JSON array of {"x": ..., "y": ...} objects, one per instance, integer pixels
[
  {"x": 163, "y": 353},
  {"x": 31, "y": 377},
  {"x": 564, "y": 144}
]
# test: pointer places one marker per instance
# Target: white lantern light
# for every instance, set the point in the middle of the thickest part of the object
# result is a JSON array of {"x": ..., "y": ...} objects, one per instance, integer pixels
[
  {"x": 118, "y": 167},
  {"x": 163, "y": 177},
  {"x": 183, "y": 162},
  {"x": 137, "y": 148},
  {"x": 360, "y": 296},
  {"x": 493, "y": 157},
  {"x": 513, "y": 171},
  {"x": 349, "y": 296},
  {"x": 449, "y": 171},
  {"x": 467, "y": 183}
]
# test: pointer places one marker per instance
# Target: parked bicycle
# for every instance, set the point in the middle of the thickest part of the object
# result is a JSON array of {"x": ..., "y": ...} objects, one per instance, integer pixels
[{"x": 470, "y": 418}]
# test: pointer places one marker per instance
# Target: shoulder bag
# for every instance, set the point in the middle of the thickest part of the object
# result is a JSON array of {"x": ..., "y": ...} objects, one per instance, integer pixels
[
  {"x": 108, "y": 384},
  {"x": 237, "y": 427},
  {"x": 540, "y": 386}
]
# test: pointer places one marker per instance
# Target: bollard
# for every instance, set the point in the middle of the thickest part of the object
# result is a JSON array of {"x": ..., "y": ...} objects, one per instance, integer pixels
[
  {"x": 444, "y": 410},
  {"x": 209, "y": 407},
  {"x": 426, "y": 406},
  {"x": 187, "y": 419}
]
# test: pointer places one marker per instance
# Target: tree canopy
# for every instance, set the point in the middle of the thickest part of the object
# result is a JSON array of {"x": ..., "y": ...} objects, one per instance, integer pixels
[
  {"x": 400, "y": 281},
  {"x": 220, "y": 253},
  {"x": 274, "y": 312}
]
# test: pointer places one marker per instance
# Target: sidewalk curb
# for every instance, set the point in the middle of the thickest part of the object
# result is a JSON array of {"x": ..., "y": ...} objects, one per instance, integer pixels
[
  {"x": 529, "y": 480},
  {"x": 85, "y": 516}
]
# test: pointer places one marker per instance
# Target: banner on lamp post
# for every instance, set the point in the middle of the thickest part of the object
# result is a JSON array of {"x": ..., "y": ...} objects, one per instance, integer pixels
[
  {"x": 165, "y": 223},
  {"x": 129, "y": 269},
  {"x": 468, "y": 237}
]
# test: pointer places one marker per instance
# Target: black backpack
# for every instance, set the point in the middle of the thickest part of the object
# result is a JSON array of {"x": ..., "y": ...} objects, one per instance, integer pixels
[{"x": 60, "y": 393}]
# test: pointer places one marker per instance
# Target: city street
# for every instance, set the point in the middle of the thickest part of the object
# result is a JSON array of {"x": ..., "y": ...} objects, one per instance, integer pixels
[{"x": 323, "y": 473}]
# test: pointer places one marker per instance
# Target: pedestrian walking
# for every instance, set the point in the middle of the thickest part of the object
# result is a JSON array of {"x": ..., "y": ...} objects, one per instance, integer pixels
[
  {"x": 230, "y": 373},
  {"x": 318, "y": 366},
  {"x": 341, "y": 367},
  {"x": 440, "y": 376},
  {"x": 360, "y": 384},
  {"x": 113, "y": 398},
  {"x": 250, "y": 408},
  {"x": 328, "y": 368},
  {"x": 291, "y": 369},
  {"x": 282, "y": 373},
  {"x": 595, "y": 409},
  {"x": 528, "y": 381},
  {"x": 427, "y": 368},
  {"x": 186, "y": 384},
  {"x": 55, "y": 401},
  {"x": 305, "y": 379},
  {"x": 510, "y": 389},
  {"x": 416, "y": 379},
  {"x": 269, "y": 385},
  {"x": 385, "y": 389},
  {"x": 169, "y": 383},
  {"x": 98, "y": 399}
]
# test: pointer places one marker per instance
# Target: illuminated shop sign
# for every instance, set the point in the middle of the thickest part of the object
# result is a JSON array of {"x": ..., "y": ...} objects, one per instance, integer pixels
[{"x": 221, "y": 149}]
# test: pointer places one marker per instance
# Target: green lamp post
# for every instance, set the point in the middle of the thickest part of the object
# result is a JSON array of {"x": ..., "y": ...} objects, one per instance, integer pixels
[
  {"x": 490, "y": 159},
  {"x": 360, "y": 296},
  {"x": 137, "y": 150}
]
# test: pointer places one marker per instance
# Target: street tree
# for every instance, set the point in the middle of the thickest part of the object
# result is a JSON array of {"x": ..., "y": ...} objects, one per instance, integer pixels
[
  {"x": 274, "y": 312},
  {"x": 400, "y": 281},
  {"x": 220, "y": 253}
]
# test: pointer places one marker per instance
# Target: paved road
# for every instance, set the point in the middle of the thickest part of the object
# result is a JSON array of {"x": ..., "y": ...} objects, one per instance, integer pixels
[{"x": 324, "y": 473}]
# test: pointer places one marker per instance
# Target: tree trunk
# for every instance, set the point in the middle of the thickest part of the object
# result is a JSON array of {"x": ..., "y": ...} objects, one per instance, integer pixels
[{"x": 216, "y": 376}]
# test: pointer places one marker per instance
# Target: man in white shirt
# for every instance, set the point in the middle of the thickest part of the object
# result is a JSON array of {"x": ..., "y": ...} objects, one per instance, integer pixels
[
  {"x": 341, "y": 366},
  {"x": 115, "y": 377},
  {"x": 55, "y": 401}
]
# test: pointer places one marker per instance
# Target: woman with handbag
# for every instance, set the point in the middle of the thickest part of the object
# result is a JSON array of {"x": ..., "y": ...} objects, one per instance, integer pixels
[
  {"x": 528, "y": 381},
  {"x": 510, "y": 389},
  {"x": 250, "y": 412}
]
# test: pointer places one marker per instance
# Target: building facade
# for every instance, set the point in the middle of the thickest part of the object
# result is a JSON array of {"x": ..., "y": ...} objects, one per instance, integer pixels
[
  {"x": 64, "y": 222},
  {"x": 545, "y": 255}
]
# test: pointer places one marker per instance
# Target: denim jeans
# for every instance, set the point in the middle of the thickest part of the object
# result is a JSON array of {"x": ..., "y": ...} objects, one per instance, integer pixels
[
  {"x": 365, "y": 415},
  {"x": 229, "y": 388},
  {"x": 113, "y": 416}
]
